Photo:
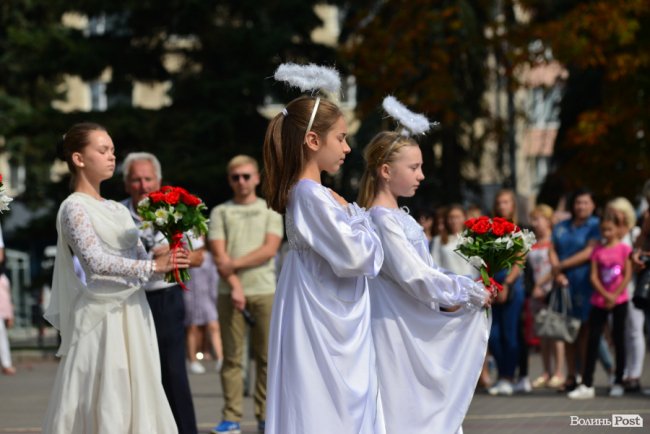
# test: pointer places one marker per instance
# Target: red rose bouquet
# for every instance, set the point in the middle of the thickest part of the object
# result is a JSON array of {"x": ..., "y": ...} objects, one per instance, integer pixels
[
  {"x": 173, "y": 211},
  {"x": 4, "y": 199},
  {"x": 494, "y": 244}
]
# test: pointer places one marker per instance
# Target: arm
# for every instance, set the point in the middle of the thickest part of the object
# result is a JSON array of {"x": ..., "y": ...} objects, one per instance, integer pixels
[
  {"x": 595, "y": 281},
  {"x": 342, "y": 236},
  {"x": 417, "y": 277},
  {"x": 579, "y": 258},
  {"x": 627, "y": 277},
  {"x": 257, "y": 257},
  {"x": 80, "y": 235},
  {"x": 218, "y": 249}
]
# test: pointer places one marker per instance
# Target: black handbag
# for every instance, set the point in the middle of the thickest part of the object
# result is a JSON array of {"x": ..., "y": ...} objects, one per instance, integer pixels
[{"x": 641, "y": 297}]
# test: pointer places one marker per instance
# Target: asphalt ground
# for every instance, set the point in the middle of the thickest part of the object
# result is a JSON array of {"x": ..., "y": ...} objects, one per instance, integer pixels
[{"x": 24, "y": 397}]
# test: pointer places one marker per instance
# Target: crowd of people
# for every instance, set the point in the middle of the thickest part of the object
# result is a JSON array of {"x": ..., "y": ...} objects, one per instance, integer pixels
[
  {"x": 359, "y": 331},
  {"x": 595, "y": 254}
]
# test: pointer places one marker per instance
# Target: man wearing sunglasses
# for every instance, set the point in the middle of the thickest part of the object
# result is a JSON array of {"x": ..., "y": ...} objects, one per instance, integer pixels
[{"x": 244, "y": 237}]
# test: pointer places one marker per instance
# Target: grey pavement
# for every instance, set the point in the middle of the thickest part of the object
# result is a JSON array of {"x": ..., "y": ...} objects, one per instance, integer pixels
[{"x": 23, "y": 399}]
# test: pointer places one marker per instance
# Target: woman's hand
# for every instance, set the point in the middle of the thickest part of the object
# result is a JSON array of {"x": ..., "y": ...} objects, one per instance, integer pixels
[{"x": 177, "y": 258}]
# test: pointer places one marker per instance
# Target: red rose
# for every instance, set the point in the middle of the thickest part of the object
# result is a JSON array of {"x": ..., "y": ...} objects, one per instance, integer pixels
[
  {"x": 469, "y": 223},
  {"x": 510, "y": 227},
  {"x": 482, "y": 226},
  {"x": 499, "y": 220},
  {"x": 172, "y": 197},
  {"x": 498, "y": 228},
  {"x": 0, "y": 178},
  {"x": 189, "y": 199},
  {"x": 167, "y": 188},
  {"x": 156, "y": 197}
]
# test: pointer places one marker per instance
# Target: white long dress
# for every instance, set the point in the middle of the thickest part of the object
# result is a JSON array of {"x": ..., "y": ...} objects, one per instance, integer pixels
[
  {"x": 321, "y": 368},
  {"x": 108, "y": 380},
  {"x": 428, "y": 360}
]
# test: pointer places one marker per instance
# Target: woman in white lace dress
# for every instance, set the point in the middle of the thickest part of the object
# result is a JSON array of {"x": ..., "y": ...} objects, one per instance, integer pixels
[
  {"x": 429, "y": 327},
  {"x": 108, "y": 379},
  {"x": 322, "y": 377}
]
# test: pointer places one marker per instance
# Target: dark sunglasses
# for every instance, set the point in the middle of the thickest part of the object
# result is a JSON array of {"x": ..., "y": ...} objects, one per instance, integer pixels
[{"x": 235, "y": 177}]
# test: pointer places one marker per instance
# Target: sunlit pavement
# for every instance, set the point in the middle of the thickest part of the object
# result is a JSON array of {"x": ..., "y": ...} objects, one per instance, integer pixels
[{"x": 23, "y": 399}]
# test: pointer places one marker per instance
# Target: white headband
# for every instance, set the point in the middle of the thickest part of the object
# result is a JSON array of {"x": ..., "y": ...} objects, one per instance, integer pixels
[{"x": 313, "y": 115}]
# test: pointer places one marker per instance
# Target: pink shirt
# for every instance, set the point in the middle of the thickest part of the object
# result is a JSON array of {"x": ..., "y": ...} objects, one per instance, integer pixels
[
  {"x": 611, "y": 270},
  {"x": 6, "y": 308}
]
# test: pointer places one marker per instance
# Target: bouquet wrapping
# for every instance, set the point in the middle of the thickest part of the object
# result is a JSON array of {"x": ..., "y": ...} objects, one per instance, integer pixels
[
  {"x": 494, "y": 244},
  {"x": 4, "y": 199},
  {"x": 173, "y": 211}
]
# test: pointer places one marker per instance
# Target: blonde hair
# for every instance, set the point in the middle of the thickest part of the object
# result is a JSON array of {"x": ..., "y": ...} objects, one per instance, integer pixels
[
  {"x": 284, "y": 146},
  {"x": 624, "y": 206},
  {"x": 543, "y": 210},
  {"x": 381, "y": 150},
  {"x": 241, "y": 160}
]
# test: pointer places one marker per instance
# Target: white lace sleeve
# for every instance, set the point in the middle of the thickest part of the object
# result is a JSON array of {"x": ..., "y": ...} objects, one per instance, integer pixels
[{"x": 79, "y": 234}]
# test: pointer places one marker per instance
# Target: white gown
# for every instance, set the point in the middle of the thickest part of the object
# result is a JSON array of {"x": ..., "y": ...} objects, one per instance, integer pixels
[
  {"x": 321, "y": 367},
  {"x": 108, "y": 380},
  {"x": 428, "y": 360}
]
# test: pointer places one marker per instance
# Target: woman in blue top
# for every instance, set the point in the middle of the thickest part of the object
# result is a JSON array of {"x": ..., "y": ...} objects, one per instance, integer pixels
[{"x": 573, "y": 241}]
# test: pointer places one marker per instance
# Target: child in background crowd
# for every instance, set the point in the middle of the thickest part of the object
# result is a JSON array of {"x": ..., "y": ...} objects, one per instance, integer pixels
[{"x": 611, "y": 271}]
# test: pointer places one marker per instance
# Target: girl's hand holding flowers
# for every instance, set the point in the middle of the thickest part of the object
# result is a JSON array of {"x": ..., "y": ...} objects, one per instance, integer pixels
[
  {"x": 172, "y": 259},
  {"x": 492, "y": 245},
  {"x": 173, "y": 211}
]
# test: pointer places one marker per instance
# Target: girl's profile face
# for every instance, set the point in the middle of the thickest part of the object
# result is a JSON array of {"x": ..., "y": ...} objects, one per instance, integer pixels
[
  {"x": 609, "y": 231},
  {"x": 98, "y": 157},
  {"x": 331, "y": 155},
  {"x": 406, "y": 172}
]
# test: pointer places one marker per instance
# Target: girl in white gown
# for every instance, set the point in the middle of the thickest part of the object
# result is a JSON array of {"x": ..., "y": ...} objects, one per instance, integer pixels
[
  {"x": 321, "y": 366},
  {"x": 429, "y": 326},
  {"x": 108, "y": 379}
]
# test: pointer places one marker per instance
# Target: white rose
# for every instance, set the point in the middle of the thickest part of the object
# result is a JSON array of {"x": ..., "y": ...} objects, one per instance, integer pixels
[{"x": 477, "y": 261}]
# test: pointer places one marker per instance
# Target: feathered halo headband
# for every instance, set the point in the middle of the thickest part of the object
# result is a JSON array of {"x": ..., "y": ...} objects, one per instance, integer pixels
[
  {"x": 412, "y": 124},
  {"x": 309, "y": 78}
]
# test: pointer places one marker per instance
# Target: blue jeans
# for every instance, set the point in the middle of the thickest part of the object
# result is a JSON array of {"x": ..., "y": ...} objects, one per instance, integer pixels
[{"x": 504, "y": 335}]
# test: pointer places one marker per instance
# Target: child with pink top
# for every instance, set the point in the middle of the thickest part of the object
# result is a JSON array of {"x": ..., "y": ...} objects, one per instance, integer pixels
[{"x": 611, "y": 271}]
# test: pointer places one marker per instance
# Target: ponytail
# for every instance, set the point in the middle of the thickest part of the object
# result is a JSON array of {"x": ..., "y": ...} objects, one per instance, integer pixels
[{"x": 284, "y": 150}]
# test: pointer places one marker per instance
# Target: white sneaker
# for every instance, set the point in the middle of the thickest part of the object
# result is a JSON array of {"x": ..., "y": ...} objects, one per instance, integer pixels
[
  {"x": 503, "y": 387},
  {"x": 523, "y": 386},
  {"x": 582, "y": 392},
  {"x": 196, "y": 367},
  {"x": 616, "y": 391}
]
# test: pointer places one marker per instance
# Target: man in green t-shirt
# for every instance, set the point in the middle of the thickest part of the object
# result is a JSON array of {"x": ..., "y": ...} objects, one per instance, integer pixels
[{"x": 244, "y": 236}]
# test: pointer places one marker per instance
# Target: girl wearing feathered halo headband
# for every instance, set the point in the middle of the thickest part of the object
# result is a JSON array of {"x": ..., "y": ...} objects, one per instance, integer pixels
[
  {"x": 428, "y": 325},
  {"x": 321, "y": 372}
]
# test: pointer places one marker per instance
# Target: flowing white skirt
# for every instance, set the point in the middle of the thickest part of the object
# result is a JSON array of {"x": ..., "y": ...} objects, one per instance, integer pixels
[
  {"x": 428, "y": 361},
  {"x": 322, "y": 375},
  {"x": 110, "y": 381}
]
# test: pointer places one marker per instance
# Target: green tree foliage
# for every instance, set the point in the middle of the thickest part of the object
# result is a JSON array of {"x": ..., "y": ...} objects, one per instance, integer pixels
[
  {"x": 228, "y": 50},
  {"x": 605, "y": 117}
]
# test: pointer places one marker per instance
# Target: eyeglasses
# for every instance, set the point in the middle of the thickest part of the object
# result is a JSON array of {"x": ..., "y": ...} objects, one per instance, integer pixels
[{"x": 235, "y": 176}]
